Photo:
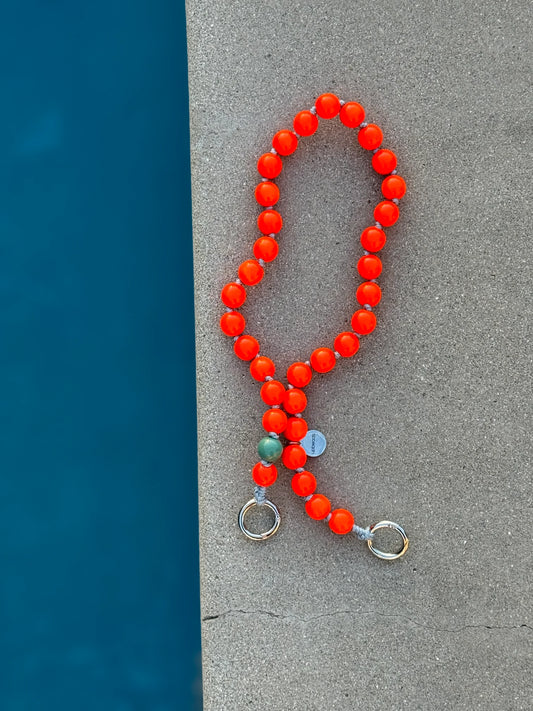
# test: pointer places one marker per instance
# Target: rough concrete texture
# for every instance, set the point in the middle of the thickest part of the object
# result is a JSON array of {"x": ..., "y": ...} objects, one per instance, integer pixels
[{"x": 430, "y": 423}]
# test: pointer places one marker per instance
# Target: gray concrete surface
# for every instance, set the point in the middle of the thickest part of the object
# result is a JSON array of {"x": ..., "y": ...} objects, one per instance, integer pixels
[{"x": 430, "y": 423}]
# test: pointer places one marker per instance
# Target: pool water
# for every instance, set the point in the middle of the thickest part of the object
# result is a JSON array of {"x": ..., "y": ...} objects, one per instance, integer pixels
[{"x": 98, "y": 494}]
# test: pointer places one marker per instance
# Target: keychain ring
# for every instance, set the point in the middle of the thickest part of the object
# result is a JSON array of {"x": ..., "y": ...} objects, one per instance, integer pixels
[
  {"x": 393, "y": 527},
  {"x": 259, "y": 536}
]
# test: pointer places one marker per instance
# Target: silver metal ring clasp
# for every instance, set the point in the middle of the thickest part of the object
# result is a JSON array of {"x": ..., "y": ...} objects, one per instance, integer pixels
[
  {"x": 394, "y": 527},
  {"x": 259, "y": 536}
]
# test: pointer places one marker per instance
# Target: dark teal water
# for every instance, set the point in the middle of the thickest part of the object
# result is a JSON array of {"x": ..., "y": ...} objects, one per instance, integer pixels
[{"x": 98, "y": 503}]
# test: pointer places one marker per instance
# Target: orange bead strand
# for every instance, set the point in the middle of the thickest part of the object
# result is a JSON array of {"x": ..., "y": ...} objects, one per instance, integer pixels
[
  {"x": 370, "y": 136},
  {"x": 294, "y": 456},
  {"x": 327, "y": 106},
  {"x": 233, "y": 295},
  {"x": 232, "y": 323},
  {"x": 303, "y": 483},
  {"x": 267, "y": 194},
  {"x": 269, "y": 222},
  {"x": 273, "y": 392},
  {"x": 263, "y": 475},
  {"x": 305, "y": 123},
  {"x": 296, "y": 429},
  {"x": 285, "y": 142},
  {"x": 285, "y": 428},
  {"x": 318, "y": 507},
  {"x": 266, "y": 248},
  {"x": 393, "y": 187},
  {"x": 323, "y": 360},
  {"x": 251, "y": 272},
  {"x": 261, "y": 368},
  {"x": 341, "y": 521},
  {"x": 246, "y": 347},
  {"x": 368, "y": 293},
  {"x": 347, "y": 344},
  {"x": 299, "y": 374},
  {"x": 274, "y": 421},
  {"x": 373, "y": 239},
  {"x": 269, "y": 165}
]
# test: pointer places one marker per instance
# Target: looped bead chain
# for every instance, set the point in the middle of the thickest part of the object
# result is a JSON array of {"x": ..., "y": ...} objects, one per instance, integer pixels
[{"x": 286, "y": 404}]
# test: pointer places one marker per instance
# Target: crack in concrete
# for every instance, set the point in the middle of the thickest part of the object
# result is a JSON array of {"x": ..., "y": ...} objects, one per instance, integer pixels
[{"x": 307, "y": 620}]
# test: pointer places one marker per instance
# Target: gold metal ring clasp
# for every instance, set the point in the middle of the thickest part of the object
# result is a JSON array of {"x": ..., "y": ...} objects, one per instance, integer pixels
[
  {"x": 394, "y": 527},
  {"x": 259, "y": 536}
]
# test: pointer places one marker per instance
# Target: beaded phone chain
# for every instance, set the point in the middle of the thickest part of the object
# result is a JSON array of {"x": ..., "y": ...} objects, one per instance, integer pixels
[{"x": 286, "y": 404}]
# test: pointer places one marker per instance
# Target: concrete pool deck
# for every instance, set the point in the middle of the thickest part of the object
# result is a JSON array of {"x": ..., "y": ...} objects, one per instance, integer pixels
[{"x": 430, "y": 423}]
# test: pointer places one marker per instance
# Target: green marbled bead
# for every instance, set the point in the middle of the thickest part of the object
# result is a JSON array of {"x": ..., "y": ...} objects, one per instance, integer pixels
[{"x": 269, "y": 449}]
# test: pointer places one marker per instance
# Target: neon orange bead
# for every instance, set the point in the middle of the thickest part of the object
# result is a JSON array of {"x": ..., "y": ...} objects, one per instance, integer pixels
[
  {"x": 274, "y": 421},
  {"x": 296, "y": 429},
  {"x": 269, "y": 165},
  {"x": 373, "y": 239},
  {"x": 299, "y": 374},
  {"x": 386, "y": 213},
  {"x": 341, "y": 521},
  {"x": 232, "y": 323},
  {"x": 368, "y": 293},
  {"x": 318, "y": 507},
  {"x": 363, "y": 322},
  {"x": 347, "y": 344},
  {"x": 267, "y": 194},
  {"x": 393, "y": 187},
  {"x": 384, "y": 161},
  {"x": 266, "y": 248},
  {"x": 262, "y": 367},
  {"x": 369, "y": 266},
  {"x": 323, "y": 360},
  {"x": 327, "y": 106},
  {"x": 370, "y": 136},
  {"x": 285, "y": 142},
  {"x": 305, "y": 123},
  {"x": 233, "y": 295},
  {"x": 303, "y": 483},
  {"x": 246, "y": 347},
  {"x": 352, "y": 114},
  {"x": 272, "y": 392},
  {"x": 270, "y": 222},
  {"x": 294, "y": 401},
  {"x": 294, "y": 456},
  {"x": 264, "y": 476},
  {"x": 251, "y": 272}
]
